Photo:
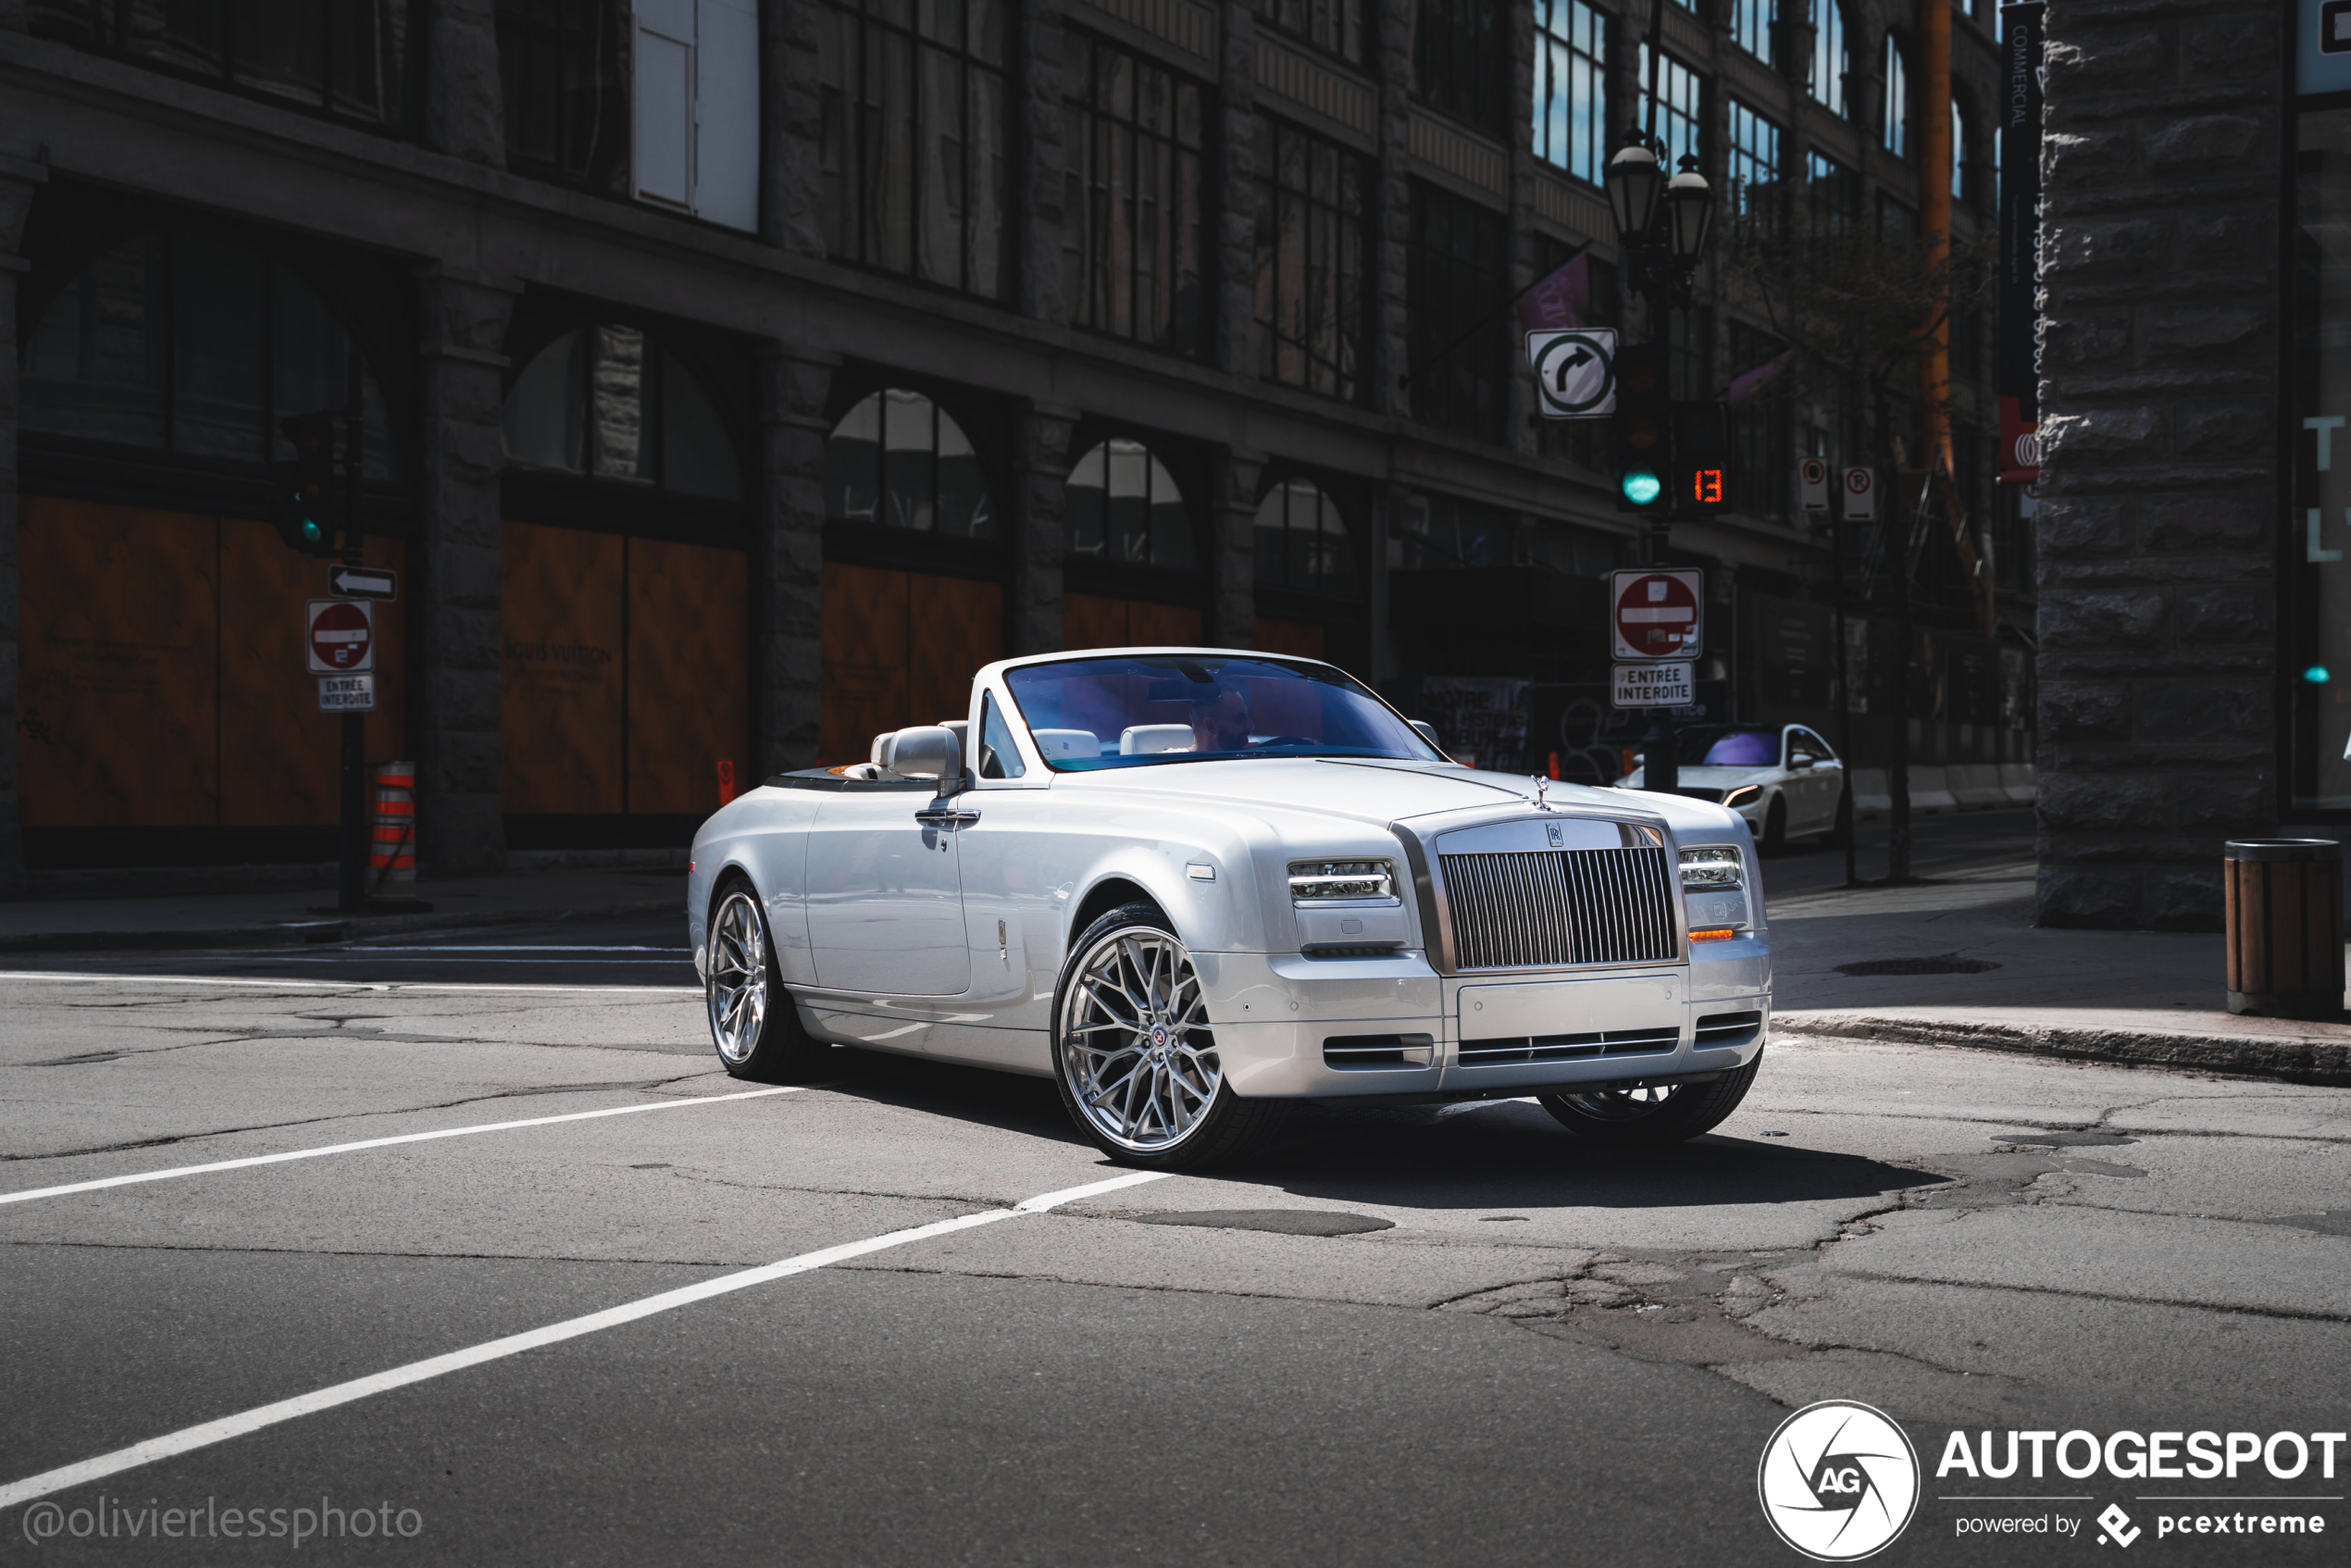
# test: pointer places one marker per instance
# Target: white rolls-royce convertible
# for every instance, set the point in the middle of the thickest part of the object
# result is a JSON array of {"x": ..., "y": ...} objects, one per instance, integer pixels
[{"x": 1193, "y": 885}]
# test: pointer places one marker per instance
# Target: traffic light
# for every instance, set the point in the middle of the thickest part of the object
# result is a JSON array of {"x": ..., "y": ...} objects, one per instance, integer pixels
[
  {"x": 1701, "y": 459},
  {"x": 1644, "y": 426},
  {"x": 306, "y": 516}
]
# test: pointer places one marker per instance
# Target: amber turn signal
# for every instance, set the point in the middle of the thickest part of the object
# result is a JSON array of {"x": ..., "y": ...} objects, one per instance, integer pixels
[{"x": 1721, "y": 934}]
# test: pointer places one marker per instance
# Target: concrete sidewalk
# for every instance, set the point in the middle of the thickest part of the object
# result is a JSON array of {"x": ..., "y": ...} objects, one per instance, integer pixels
[
  {"x": 2150, "y": 997},
  {"x": 292, "y": 916}
]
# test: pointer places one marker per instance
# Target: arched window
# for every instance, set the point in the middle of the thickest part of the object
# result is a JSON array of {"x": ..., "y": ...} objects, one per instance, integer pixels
[
  {"x": 1124, "y": 507},
  {"x": 1302, "y": 543},
  {"x": 192, "y": 344},
  {"x": 613, "y": 402},
  {"x": 898, "y": 460},
  {"x": 1894, "y": 118},
  {"x": 1832, "y": 58}
]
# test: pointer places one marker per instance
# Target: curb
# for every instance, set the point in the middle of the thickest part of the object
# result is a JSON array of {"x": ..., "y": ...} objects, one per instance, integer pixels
[
  {"x": 2305, "y": 1060},
  {"x": 306, "y": 933}
]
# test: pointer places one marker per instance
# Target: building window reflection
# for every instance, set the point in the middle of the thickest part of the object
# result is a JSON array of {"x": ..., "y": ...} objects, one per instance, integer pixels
[
  {"x": 897, "y": 460},
  {"x": 613, "y": 402},
  {"x": 1124, "y": 509},
  {"x": 1303, "y": 543}
]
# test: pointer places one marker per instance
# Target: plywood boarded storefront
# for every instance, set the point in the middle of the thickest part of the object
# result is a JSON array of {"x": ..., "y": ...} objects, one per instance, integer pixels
[
  {"x": 165, "y": 683},
  {"x": 624, "y": 687},
  {"x": 900, "y": 648}
]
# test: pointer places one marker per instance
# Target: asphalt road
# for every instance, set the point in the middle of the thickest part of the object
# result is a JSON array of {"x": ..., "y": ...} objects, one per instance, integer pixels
[{"x": 1401, "y": 1336}]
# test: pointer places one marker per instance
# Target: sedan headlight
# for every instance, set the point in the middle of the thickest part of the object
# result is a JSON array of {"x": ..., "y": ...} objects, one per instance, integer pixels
[
  {"x": 1744, "y": 795},
  {"x": 1328, "y": 881}
]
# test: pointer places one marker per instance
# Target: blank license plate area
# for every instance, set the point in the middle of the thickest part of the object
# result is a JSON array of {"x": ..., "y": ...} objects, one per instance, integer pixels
[{"x": 1572, "y": 1007}]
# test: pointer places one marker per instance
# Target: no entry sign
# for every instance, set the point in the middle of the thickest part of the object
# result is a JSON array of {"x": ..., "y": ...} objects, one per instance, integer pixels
[
  {"x": 343, "y": 636},
  {"x": 1656, "y": 615}
]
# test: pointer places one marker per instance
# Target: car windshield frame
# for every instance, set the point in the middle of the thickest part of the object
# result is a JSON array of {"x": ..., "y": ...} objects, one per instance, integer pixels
[{"x": 1219, "y": 672}]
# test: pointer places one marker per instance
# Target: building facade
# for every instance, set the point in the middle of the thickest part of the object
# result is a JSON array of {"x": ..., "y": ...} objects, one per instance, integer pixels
[{"x": 739, "y": 374}]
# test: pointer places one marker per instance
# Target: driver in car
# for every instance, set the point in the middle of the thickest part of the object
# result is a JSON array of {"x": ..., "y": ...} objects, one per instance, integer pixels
[{"x": 1220, "y": 721}]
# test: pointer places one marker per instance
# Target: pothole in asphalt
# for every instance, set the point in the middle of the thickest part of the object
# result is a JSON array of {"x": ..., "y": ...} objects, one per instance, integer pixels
[
  {"x": 1941, "y": 964},
  {"x": 1280, "y": 1222}
]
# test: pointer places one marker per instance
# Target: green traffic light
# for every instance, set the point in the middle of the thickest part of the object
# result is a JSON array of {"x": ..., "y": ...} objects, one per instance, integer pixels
[
  {"x": 311, "y": 532},
  {"x": 1640, "y": 486}
]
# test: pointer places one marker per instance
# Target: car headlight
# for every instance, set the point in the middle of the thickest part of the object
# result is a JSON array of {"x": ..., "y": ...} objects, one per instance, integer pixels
[
  {"x": 1711, "y": 868},
  {"x": 1746, "y": 794},
  {"x": 1327, "y": 881}
]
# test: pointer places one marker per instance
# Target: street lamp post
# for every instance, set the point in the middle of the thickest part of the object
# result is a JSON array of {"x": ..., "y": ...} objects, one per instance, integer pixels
[{"x": 1662, "y": 226}]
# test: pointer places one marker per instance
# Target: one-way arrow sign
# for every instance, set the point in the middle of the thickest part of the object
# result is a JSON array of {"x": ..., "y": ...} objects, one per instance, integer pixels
[{"x": 363, "y": 582}]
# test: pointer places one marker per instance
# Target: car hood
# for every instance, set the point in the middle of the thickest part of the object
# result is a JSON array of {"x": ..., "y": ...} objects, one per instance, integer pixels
[{"x": 1376, "y": 790}]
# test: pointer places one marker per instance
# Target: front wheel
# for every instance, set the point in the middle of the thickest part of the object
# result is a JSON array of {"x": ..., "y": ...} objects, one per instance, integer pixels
[
  {"x": 752, "y": 1021},
  {"x": 1659, "y": 1114},
  {"x": 1134, "y": 1056}
]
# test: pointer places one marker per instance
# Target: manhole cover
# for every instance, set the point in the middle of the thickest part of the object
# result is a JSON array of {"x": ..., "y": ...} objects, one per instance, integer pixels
[
  {"x": 1941, "y": 964},
  {"x": 1281, "y": 1222}
]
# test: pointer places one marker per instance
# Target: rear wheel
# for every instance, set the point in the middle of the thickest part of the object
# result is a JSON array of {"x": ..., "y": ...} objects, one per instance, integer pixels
[
  {"x": 1134, "y": 1056},
  {"x": 1659, "y": 1114},
  {"x": 752, "y": 1021}
]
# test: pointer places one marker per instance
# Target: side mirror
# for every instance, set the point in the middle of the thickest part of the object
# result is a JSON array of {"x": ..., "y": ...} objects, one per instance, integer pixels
[
  {"x": 1799, "y": 760},
  {"x": 925, "y": 751},
  {"x": 1428, "y": 731}
]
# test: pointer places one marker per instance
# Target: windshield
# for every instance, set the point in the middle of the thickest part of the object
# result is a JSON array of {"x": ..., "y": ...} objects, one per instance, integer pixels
[
  {"x": 1132, "y": 711},
  {"x": 1711, "y": 745}
]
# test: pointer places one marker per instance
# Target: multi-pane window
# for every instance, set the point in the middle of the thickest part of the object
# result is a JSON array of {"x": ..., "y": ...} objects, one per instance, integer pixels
[
  {"x": 350, "y": 59},
  {"x": 1458, "y": 49},
  {"x": 1571, "y": 87},
  {"x": 1454, "y": 284},
  {"x": 1441, "y": 533},
  {"x": 1335, "y": 25},
  {"x": 559, "y": 69},
  {"x": 1755, "y": 163},
  {"x": 914, "y": 147},
  {"x": 1831, "y": 57},
  {"x": 1832, "y": 192},
  {"x": 1681, "y": 107},
  {"x": 611, "y": 402},
  {"x": 897, "y": 460},
  {"x": 1759, "y": 432},
  {"x": 1303, "y": 545},
  {"x": 1309, "y": 261},
  {"x": 1123, "y": 507},
  {"x": 1751, "y": 27},
  {"x": 1133, "y": 233},
  {"x": 1894, "y": 120}
]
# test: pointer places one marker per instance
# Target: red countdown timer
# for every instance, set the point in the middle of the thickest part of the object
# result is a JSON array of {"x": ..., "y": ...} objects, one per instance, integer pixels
[{"x": 1705, "y": 486}]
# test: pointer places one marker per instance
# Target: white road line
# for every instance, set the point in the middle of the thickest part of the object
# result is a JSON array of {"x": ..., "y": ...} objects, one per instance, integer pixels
[
  {"x": 333, "y": 985},
  {"x": 177, "y": 1171},
  {"x": 211, "y": 1432}
]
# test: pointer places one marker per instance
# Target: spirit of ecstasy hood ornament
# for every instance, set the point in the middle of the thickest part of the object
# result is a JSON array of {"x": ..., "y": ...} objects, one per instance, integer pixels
[{"x": 1542, "y": 792}]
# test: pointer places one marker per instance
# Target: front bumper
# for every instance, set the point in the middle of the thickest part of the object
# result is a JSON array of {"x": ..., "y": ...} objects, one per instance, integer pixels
[{"x": 1288, "y": 1026}]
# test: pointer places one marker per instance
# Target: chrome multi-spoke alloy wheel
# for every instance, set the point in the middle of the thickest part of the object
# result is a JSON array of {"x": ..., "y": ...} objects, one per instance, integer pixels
[
  {"x": 738, "y": 991},
  {"x": 1136, "y": 1048}
]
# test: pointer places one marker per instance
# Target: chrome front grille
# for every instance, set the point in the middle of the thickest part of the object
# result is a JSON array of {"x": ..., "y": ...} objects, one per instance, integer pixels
[{"x": 1548, "y": 907}]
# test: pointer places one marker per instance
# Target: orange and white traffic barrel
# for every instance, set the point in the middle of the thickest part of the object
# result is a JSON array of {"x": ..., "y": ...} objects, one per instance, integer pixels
[{"x": 392, "y": 849}]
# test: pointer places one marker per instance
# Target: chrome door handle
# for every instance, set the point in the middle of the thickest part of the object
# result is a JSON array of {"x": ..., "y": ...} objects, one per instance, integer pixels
[{"x": 945, "y": 816}]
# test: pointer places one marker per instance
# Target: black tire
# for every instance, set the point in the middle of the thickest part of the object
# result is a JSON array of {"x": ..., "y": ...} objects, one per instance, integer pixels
[
  {"x": 753, "y": 1025},
  {"x": 1623, "y": 1118},
  {"x": 1160, "y": 1064},
  {"x": 1774, "y": 827},
  {"x": 1841, "y": 835}
]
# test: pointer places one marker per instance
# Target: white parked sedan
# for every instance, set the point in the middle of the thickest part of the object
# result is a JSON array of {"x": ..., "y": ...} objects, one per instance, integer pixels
[
  {"x": 1192, "y": 885},
  {"x": 1783, "y": 779}
]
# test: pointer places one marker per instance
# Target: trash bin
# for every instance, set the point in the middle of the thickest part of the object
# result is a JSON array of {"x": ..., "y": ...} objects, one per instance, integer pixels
[{"x": 2285, "y": 928}]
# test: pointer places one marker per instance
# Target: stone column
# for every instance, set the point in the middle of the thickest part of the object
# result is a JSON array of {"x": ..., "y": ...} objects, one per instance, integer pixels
[
  {"x": 464, "y": 106},
  {"x": 19, "y": 181},
  {"x": 1235, "y": 177},
  {"x": 1040, "y": 475},
  {"x": 454, "y": 591},
  {"x": 788, "y": 559},
  {"x": 1042, "y": 292},
  {"x": 1521, "y": 410},
  {"x": 2159, "y": 497},
  {"x": 791, "y": 101},
  {"x": 1390, "y": 345},
  {"x": 1232, "y": 562}
]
